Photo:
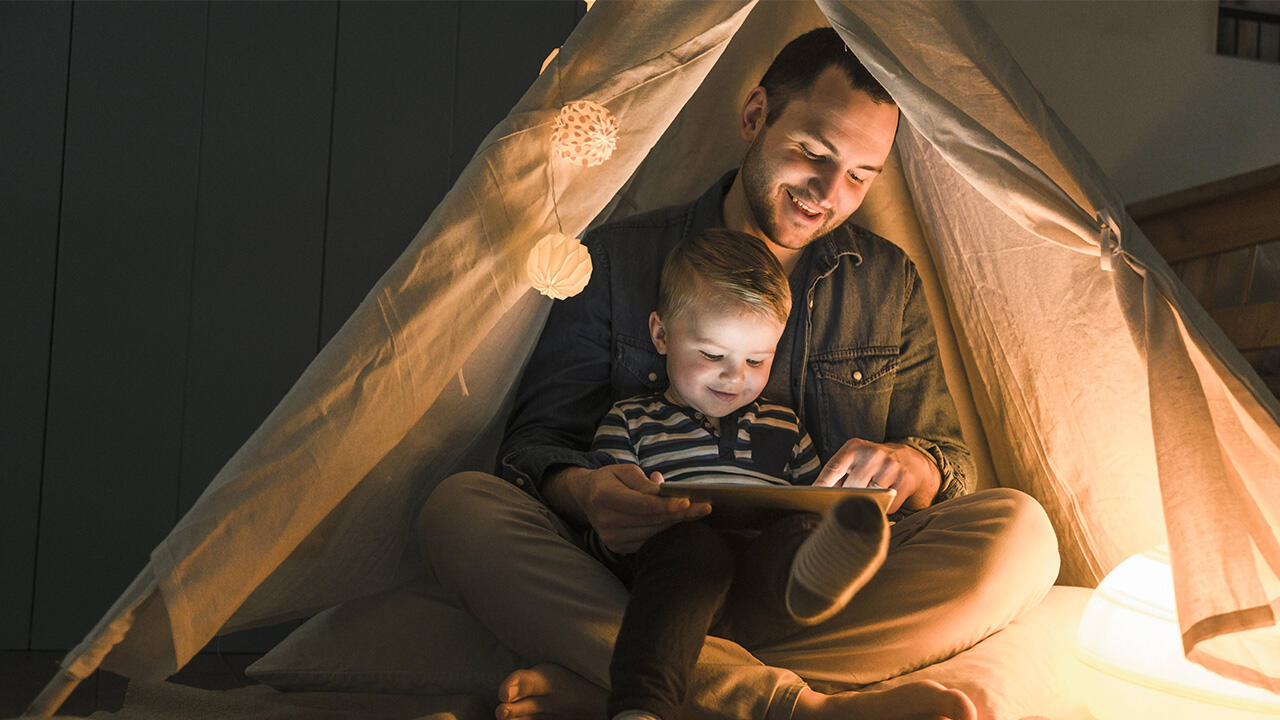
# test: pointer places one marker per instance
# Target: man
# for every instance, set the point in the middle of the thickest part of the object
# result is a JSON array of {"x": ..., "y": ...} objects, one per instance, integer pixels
[{"x": 858, "y": 363}]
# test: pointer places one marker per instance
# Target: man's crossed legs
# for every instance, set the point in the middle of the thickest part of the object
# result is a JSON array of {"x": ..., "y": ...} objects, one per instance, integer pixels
[{"x": 955, "y": 573}]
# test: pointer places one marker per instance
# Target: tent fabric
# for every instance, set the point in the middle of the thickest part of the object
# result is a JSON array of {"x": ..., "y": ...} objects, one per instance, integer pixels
[{"x": 1107, "y": 394}]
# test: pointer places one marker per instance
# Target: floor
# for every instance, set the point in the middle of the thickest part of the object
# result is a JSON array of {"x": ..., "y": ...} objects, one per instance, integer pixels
[{"x": 23, "y": 673}]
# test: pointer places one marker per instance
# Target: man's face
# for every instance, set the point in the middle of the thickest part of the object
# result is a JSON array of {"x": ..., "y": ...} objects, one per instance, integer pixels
[
  {"x": 718, "y": 358},
  {"x": 807, "y": 172}
]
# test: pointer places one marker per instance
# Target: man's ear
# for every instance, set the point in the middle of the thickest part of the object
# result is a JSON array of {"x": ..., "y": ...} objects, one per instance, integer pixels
[
  {"x": 754, "y": 111},
  {"x": 658, "y": 332}
]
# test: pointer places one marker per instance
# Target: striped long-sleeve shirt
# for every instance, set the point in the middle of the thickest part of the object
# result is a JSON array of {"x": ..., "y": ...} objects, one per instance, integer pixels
[{"x": 761, "y": 440}]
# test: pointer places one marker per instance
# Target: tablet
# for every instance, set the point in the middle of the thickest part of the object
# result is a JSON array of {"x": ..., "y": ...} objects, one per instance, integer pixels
[{"x": 736, "y": 495}]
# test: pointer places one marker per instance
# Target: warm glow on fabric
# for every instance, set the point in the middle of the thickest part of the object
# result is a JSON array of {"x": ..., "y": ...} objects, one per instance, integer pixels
[{"x": 1131, "y": 649}]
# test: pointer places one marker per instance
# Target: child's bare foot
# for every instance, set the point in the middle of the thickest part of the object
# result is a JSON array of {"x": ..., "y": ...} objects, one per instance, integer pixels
[
  {"x": 549, "y": 692},
  {"x": 925, "y": 700}
]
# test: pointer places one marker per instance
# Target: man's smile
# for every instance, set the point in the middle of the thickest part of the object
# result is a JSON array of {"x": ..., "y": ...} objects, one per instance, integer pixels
[{"x": 805, "y": 209}]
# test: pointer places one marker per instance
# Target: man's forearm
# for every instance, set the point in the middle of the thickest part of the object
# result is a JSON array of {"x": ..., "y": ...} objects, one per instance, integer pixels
[{"x": 560, "y": 490}]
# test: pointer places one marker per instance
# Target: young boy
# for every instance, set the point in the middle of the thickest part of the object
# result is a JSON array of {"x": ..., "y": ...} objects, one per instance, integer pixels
[{"x": 722, "y": 307}]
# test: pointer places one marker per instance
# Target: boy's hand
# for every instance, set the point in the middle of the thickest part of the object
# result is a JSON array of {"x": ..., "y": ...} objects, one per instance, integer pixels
[
  {"x": 620, "y": 503},
  {"x": 862, "y": 463}
]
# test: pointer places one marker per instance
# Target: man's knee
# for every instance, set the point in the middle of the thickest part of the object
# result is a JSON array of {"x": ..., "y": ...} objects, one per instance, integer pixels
[
  {"x": 1025, "y": 541},
  {"x": 448, "y": 516},
  {"x": 453, "y": 493}
]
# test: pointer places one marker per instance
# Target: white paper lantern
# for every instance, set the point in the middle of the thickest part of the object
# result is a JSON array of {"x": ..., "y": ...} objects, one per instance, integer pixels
[
  {"x": 586, "y": 133},
  {"x": 1130, "y": 648},
  {"x": 559, "y": 266}
]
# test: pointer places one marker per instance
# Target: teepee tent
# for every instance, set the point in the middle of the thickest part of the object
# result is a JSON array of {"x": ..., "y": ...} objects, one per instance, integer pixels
[{"x": 1098, "y": 385}]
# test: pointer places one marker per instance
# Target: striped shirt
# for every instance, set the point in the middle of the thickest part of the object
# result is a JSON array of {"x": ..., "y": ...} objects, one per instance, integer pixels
[{"x": 761, "y": 440}]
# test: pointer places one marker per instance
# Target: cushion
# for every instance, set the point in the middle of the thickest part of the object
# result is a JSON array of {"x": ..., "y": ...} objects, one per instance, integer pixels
[{"x": 408, "y": 640}]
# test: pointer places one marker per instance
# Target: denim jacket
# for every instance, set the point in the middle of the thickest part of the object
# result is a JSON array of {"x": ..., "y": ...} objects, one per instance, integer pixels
[{"x": 864, "y": 362}]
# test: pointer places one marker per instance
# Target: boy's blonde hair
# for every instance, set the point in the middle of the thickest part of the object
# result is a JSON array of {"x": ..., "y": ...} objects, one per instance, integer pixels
[{"x": 724, "y": 266}]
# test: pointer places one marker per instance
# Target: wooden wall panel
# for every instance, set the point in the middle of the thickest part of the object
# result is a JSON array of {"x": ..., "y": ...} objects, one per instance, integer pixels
[
  {"x": 501, "y": 46},
  {"x": 234, "y": 178},
  {"x": 34, "y": 40},
  {"x": 120, "y": 309},
  {"x": 392, "y": 119},
  {"x": 255, "y": 294}
]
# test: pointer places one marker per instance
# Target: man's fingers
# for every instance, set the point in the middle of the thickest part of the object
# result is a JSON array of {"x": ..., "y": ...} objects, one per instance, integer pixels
[
  {"x": 634, "y": 478},
  {"x": 838, "y": 466},
  {"x": 634, "y": 499},
  {"x": 829, "y": 476}
]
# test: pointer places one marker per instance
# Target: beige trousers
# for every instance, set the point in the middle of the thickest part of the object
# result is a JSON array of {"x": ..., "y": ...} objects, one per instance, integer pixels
[{"x": 955, "y": 573}]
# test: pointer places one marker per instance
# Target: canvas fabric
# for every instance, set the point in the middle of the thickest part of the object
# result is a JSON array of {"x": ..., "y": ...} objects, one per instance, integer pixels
[{"x": 1097, "y": 384}]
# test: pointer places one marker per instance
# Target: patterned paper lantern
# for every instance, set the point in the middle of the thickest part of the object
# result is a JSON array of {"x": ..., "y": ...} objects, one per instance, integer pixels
[
  {"x": 586, "y": 133},
  {"x": 559, "y": 266}
]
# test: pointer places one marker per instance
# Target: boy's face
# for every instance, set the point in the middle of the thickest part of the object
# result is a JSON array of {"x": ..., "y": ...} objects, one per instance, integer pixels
[{"x": 718, "y": 358}]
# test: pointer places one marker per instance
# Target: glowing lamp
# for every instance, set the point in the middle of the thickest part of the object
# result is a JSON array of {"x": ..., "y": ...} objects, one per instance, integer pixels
[
  {"x": 585, "y": 133},
  {"x": 559, "y": 266},
  {"x": 1130, "y": 648}
]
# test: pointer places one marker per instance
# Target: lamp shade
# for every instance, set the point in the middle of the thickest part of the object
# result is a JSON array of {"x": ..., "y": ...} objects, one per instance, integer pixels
[{"x": 1131, "y": 650}]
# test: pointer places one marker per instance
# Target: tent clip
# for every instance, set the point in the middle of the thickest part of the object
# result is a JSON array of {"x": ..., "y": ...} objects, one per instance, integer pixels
[{"x": 1108, "y": 239}]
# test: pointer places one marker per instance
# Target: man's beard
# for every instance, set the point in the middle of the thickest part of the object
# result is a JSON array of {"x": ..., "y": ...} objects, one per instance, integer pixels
[{"x": 760, "y": 193}]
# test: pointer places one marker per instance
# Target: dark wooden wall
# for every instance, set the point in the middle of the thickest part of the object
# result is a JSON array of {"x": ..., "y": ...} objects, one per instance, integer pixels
[{"x": 193, "y": 198}]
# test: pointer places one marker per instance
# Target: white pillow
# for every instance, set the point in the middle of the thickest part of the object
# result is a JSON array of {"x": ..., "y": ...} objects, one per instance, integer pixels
[{"x": 408, "y": 640}]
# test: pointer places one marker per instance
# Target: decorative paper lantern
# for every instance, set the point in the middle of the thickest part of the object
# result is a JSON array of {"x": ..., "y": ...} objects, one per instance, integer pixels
[
  {"x": 586, "y": 133},
  {"x": 559, "y": 266},
  {"x": 1131, "y": 650}
]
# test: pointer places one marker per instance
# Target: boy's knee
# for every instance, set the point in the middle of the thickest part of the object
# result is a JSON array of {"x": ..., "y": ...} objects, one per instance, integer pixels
[{"x": 692, "y": 550}]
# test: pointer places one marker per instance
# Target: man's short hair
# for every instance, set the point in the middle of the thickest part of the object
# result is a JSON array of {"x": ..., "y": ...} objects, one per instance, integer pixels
[
  {"x": 723, "y": 266},
  {"x": 802, "y": 60}
]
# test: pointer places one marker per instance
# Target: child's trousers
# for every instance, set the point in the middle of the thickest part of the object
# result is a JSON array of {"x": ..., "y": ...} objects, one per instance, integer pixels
[{"x": 689, "y": 581}]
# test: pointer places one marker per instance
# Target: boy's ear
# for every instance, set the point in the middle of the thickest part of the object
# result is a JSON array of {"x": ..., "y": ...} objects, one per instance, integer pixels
[{"x": 658, "y": 332}]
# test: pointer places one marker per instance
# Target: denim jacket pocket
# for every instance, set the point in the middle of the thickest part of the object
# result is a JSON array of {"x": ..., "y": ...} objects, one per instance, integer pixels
[
  {"x": 857, "y": 368},
  {"x": 852, "y": 389},
  {"x": 639, "y": 368}
]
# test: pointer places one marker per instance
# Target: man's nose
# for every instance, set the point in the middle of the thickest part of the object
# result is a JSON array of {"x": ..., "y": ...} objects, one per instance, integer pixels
[{"x": 825, "y": 186}]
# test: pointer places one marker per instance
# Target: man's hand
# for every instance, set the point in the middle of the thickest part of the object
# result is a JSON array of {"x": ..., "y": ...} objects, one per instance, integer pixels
[
  {"x": 862, "y": 463},
  {"x": 620, "y": 502}
]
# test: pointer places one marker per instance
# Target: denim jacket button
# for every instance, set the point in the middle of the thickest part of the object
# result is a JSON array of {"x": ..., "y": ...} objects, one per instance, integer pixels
[
  {"x": 653, "y": 377},
  {"x": 857, "y": 376}
]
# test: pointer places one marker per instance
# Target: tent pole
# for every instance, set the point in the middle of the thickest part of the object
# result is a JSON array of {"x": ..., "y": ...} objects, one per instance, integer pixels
[
  {"x": 81, "y": 663},
  {"x": 53, "y": 695}
]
